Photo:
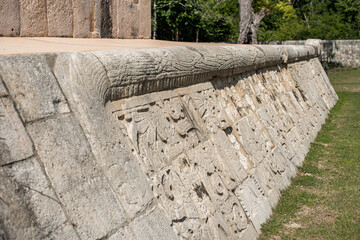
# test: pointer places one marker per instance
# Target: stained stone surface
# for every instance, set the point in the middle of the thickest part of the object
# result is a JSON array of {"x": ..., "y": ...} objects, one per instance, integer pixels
[
  {"x": 128, "y": 26},
  {"x": 59, "y": 18},
  {"x": 3, "y": 91},
  {"x": 9, "y": 18},
  {"x": 82, "y": 18},
  {"x": 83, "y": 190},
  {"x": 32, "y": 86},
  {"x": 32, "y": 18},
  {"x": 129, "y": 19},
  {"x": 29, "y": 207},
  {"x": 171, "y": 143},
  {"x": 14, "y": 140}
]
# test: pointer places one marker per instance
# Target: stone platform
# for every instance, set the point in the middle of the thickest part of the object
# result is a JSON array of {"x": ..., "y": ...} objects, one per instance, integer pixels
[
  {"x": 24, "y": 45},
  {"x": 179, "y": 142}
]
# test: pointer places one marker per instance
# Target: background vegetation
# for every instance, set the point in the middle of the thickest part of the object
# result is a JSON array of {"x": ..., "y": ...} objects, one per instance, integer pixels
[{"x": 218, "y": 20}]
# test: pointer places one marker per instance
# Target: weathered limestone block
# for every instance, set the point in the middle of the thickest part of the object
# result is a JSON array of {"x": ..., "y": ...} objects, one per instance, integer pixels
[
  {"x": 144, "y": 15},
  {"x": 9, "y": 18},
  {"x": 29, "y": 207},
  {"x": 82, "y": 18},
  {"x": 123, "y": 233},
  {"x": 98, "y": 21},
  {"x": 132, "y": 18},
  {"x": 233, "y": 159},
  {"x": 32, "y": 86},
  {"x": 33, "y": 18},
  {"x": 82, "y": 189},
  {"x": 250, "y": 135},
  {"x": 15, "y": 144},
  {"x": 59, "y": 18},
  {"x": 153, "y": 225},
  {"x": 3, "y": 91},
  {"x": 266, "y": 181},
  {"x": 326, "y": 92},
  {"x": 204, "y": 109},
  {"x": 257, "y": 207},
  {"x": 105, "y": 136},
  {"x": 173, "y": 197}
]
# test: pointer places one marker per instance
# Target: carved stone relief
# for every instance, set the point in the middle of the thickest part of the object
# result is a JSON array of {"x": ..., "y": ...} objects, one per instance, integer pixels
[{"x": 218, "y": 154}]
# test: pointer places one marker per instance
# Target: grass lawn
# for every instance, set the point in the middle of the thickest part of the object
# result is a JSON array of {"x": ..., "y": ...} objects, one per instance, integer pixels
[{"x": 323, "y": 201}]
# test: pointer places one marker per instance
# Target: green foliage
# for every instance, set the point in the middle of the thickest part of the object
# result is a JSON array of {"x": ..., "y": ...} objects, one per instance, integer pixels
[
  {"x": 218, "y": 20},
  {"x": 303, "y": 19},
  {"x": 213, "y": 20}
]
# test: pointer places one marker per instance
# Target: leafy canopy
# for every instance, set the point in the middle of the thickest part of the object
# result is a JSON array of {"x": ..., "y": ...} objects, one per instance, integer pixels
[{"x": 218, "y": 20}]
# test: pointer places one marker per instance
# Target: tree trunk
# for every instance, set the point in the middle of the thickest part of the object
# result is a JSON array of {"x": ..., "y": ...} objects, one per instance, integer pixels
[
  {"x": 245, "y": 20},
  {"x": 249, "y": 22},
  {"x": 257, "y": 17}
]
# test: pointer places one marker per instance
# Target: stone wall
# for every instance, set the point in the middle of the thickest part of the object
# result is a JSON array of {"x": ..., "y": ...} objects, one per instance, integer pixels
[
  {"x": 76, "y": 18},
  {"x": 344, "y": 52},
  {"x": 169, "y": 143}
]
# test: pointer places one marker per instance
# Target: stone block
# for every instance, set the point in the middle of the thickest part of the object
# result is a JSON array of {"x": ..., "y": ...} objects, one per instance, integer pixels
[
  {"x": 33, "y": 18},
  {"x": 109, "y": 145},
  {"x": 218, "y": 228},
  {"x": 249, "y": 233},
  {"x": 9, "y": 18},
  {"x": 144, "y": 15},
  {"x": 30, "y": 208},
  {"x": 123, "y": 233},
  {"x": 250, "y": 135},
  {"x": 32, "y": 86},
  {"x": 255, "y": 204},
  {"x": 59, "y": 18},
  {"x": 267, "y": 183},
  {"x": 15, "y": 144},
  {"x": 153, "y": 225},
  {"x": 76, "y": 177},
  {"x": 82, "y": 18},
  {"x": 128, "y": 19},
  {"x": 233, "y": 159},
  {"x": 3, "y": 91}
]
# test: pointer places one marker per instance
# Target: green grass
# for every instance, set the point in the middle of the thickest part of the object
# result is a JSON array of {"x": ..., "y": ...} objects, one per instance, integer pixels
[
  {"x": 323, "y": 201},
  {"x": 345, "y": 79}
]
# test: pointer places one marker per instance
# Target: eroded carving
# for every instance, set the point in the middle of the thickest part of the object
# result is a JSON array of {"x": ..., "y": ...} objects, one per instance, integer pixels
[{"x": 204, "y": 108}]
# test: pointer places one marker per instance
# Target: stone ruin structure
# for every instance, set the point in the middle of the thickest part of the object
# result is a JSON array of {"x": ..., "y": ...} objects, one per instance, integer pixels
[
  {"x": 167, "y": 143},
  {"x": 343, "y": 52},
  {"x": 76, "y": 18}
]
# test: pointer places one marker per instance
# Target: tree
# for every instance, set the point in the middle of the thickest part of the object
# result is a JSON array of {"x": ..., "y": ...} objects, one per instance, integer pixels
[
  {"x": 304, "y": 19},
  {"x": 196, "y": 20},
  {"x": 250, "y": 21}
]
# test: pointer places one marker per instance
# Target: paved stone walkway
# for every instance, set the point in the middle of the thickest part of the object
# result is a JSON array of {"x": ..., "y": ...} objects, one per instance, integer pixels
[{"x": 15, "y": 45}]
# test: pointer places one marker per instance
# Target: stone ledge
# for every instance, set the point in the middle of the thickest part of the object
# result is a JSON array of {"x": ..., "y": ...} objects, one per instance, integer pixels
[
  {"x": 206, "y": 161},
  {"x": 120, "y": 74}
]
